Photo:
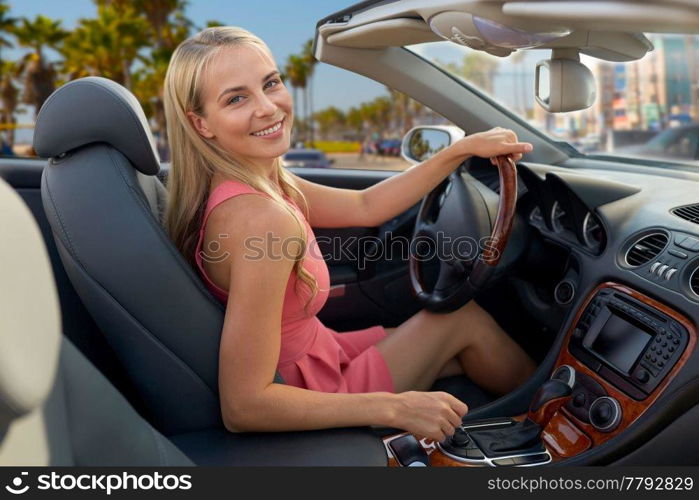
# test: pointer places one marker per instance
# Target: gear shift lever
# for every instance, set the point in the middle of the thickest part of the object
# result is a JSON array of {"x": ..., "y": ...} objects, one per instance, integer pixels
[
  {"x": 547, "y": 400},
  {"x": 527, "y": 434}
]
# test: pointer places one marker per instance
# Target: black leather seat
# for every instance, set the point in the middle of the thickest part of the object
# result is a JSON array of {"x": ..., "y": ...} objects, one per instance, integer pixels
[
  {"x": 55, "y": 407},
  {"x": 104, "y": 201}
]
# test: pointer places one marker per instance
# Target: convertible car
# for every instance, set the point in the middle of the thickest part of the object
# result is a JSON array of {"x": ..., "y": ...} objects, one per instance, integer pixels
[{"x": 109, "y": 340}]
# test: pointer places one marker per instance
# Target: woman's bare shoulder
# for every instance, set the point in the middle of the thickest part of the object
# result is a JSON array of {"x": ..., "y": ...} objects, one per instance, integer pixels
[{"x": 253, "y": 214}]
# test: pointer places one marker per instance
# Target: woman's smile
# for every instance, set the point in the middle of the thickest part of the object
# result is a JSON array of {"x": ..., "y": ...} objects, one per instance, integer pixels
[{"x": 272, "y": 132}]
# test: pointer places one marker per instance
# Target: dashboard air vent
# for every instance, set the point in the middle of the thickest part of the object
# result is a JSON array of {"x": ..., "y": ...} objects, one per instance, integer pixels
[
  {"x": 688, "y": 212},
  {"x": 646, "y": 249},
  {"x": 694, "y": 282}
]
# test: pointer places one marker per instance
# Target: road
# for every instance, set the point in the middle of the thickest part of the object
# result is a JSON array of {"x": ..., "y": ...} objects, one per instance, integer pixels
[{"x": 372, "y": 162}]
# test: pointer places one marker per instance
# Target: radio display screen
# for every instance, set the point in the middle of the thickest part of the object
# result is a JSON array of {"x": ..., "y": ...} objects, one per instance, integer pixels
[{"x": 620, "y": 343}]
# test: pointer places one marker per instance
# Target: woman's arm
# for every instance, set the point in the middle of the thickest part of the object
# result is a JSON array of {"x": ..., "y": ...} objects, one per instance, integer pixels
[
  {"x": 251, "y": 341},
  {"x": 333, "y": 207}
]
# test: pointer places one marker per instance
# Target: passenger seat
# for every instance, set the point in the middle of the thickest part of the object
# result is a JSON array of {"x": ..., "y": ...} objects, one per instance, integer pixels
[{"x": 55, "y": 407}]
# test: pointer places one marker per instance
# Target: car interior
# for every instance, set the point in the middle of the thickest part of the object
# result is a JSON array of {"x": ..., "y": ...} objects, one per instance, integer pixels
[{"x": 595, "y": 276}]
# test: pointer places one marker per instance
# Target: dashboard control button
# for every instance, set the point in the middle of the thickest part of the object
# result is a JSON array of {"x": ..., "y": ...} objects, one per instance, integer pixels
[
  {"x": 688, "y": 243},
  {"x": 605, "y": 413},
  {"x": 655, "y": 266},
  {"x": 679, "y": 239},
  {"x": 564, "y": 293},
  {"x": 662, "y": 269},
  {"x": 642, "y": 376},
  {"x": 678, "y": 254},
  {"x": 670, "y": 273}
]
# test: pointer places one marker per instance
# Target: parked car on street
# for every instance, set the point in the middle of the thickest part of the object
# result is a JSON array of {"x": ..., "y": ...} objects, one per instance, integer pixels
[
  {"x": 306, "y": 158},
  {"x": 679, "y": 143},
  {"x": 389, "y": 147}
]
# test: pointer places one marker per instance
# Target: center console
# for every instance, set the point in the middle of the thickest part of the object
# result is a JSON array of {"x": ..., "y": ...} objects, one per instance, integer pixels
[{"x": 620, "y": 353}]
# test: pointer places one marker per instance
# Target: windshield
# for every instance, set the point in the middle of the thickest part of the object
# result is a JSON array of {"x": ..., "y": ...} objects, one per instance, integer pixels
[{"x": 646, "y": 109}]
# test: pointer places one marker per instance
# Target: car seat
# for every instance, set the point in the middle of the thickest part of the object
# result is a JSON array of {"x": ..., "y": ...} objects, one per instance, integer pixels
[{"x": 55, "y": 407}]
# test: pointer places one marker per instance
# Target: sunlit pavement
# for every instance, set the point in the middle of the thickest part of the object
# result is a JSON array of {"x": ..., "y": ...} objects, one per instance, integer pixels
[{"x": 373, "y": 162}]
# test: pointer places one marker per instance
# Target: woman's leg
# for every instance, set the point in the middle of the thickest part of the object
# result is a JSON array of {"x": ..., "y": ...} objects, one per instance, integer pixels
[{"x": 424, "y": 347}]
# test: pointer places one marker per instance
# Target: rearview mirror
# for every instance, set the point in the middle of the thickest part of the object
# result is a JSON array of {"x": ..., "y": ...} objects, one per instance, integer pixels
[
  {"x": 563, "y": 83},
  {"x": 421, "y": 143}
]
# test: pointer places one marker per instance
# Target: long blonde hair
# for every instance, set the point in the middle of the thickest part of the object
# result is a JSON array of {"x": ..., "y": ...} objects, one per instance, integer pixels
[{"x": 194, "y": 159}]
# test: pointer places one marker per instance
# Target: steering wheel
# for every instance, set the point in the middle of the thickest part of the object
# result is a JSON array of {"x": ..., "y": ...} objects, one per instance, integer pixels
[{"x": 454, "y": 224}]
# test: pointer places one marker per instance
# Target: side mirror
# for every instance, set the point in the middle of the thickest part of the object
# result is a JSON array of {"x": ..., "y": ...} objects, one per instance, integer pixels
[
  {"x": 563, "y": 83},
  {"x": 421, "y": 143}
]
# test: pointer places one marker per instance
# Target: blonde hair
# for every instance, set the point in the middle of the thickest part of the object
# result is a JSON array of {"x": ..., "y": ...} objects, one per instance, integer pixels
[{"x": 195, "y": 159}]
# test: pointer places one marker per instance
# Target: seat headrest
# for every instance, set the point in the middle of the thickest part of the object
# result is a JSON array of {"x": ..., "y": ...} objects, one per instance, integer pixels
[
  {"x": 30, "y": 321},
  {"x": 95, "y": 109}
]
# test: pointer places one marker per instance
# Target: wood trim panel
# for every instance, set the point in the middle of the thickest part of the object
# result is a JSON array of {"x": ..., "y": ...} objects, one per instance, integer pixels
[
  {"x": 502, "y": 228},
  {"x": 563, "y": 439},
  {"x": 631, "y": 409}
]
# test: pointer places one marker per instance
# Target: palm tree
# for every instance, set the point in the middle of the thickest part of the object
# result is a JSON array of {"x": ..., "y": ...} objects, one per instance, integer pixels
[
  {"x": 477, "y": 68},
  {"x": 405, "y": 110},
  {"x": 107, "y": 45},
  {"x": 310, "y": 62},
  {"x": 158, "y": 14},
  {"x": 329, "y": 120},
  {"x": 6, "y": 26},
  {"x": 168, "y": 27},
  {"x": 9, "y": 95},
  {"x": 39, "y": 74},
  {"x": 296, "y": 74},
  {"x": 148, "y": 81}
]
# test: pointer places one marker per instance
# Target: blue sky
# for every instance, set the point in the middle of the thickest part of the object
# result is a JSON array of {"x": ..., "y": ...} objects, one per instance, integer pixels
[{"x": 283, "y": 24}]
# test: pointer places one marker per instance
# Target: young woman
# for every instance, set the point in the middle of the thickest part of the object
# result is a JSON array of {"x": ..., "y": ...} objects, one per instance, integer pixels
[{"x": 229, "y": 121}]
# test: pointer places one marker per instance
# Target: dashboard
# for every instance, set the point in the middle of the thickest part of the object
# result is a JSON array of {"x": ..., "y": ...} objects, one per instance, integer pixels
[
  {"x": 638, "y": 228},
  {"x": 560, "y": 215},
  {"x": 634, "y": 225}
]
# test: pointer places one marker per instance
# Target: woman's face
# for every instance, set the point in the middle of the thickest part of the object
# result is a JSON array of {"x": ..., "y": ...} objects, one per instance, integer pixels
[{"x": 247, "y": 108}]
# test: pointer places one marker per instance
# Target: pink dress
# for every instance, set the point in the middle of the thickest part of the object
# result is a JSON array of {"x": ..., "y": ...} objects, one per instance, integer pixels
[{"x": 312, "y": 355}]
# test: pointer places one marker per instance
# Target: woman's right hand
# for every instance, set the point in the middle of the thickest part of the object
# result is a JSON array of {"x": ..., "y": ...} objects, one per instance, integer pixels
[{"x": 432, "y": 415}]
